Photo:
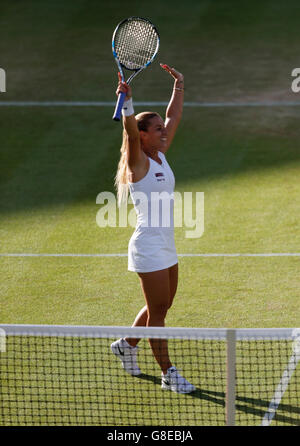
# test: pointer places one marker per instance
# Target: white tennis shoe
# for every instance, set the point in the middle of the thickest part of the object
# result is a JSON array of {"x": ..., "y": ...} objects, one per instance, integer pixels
[
  {"x": 175, "y": 382},
  {"x": 127, "y": 356}
]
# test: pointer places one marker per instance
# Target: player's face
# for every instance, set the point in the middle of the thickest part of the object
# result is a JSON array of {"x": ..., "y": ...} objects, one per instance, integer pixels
[{"x": 156, "y": 135}]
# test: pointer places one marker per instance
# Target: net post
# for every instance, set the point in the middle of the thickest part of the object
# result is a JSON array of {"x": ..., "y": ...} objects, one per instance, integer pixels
[{"x": 231, "y": 378}]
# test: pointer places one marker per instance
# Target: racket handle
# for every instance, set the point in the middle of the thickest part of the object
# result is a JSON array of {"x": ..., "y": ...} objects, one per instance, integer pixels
[{"x": 119, "y": 105}]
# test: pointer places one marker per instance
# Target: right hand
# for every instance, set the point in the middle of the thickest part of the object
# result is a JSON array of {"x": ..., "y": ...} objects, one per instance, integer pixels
[
  {"x": 123, "y": 88},
  {"x": 174, "y": 73}
]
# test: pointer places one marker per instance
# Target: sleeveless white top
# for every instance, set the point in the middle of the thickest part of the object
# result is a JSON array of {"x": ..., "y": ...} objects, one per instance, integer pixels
[{"x": 152, "y": 246}]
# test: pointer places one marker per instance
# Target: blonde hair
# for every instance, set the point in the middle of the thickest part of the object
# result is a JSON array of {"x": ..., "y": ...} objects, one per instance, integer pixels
[{"x": 121, "y": 179}]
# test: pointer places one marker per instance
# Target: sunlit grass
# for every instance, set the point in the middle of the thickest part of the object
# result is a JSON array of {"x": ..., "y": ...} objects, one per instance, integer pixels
[{"x": 55, "y": 161}]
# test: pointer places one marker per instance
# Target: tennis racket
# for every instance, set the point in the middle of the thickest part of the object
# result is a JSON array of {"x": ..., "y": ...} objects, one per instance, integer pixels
[{"x": 135, "y": 44}]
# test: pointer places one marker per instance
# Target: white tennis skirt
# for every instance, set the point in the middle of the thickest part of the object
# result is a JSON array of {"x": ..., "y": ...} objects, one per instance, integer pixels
[{"x": 150, "y": 250}]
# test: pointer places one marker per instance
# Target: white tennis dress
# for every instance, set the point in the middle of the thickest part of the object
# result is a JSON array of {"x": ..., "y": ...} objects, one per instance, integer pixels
[{"x": 152, "y": 246}]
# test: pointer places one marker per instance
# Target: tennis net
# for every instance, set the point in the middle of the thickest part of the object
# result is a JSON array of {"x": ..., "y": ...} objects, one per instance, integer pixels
[{"x": 68, "y": 375}]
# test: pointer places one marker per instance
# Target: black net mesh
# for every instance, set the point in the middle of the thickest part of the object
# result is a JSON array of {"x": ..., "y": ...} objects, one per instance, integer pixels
[{"x": 77, "y": 380}]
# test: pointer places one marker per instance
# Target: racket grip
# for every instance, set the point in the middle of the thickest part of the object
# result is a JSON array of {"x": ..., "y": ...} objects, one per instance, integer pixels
[{"x": 119, "y": 105}]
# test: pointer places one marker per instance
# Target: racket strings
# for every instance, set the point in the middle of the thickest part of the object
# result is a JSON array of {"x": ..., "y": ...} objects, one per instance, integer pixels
[{"x": 136, "y": 44}]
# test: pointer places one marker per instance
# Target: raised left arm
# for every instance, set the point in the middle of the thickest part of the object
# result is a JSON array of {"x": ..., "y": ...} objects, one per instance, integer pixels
[{"x": 175, "y": 106}]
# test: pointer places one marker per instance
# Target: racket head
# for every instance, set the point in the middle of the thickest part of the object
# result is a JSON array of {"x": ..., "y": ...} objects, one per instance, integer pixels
[{"x": 135, "y": 44}]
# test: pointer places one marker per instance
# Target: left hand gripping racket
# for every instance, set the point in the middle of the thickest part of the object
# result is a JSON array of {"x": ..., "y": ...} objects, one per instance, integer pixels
[{"x": 135, "y": 44}]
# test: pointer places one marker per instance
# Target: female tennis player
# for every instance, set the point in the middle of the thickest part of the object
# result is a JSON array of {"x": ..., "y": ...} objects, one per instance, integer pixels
[{"x": 143, "y": 169}]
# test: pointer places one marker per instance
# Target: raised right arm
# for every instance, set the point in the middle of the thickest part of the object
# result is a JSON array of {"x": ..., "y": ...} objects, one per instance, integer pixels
[{"x": 135, "y": 155}]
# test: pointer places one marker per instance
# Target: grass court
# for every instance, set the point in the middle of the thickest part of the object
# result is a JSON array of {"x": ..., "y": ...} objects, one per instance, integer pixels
[{"x": 54, "y": 161}]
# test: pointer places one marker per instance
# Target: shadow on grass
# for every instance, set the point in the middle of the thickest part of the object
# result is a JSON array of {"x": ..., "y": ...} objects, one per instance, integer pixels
[
  {"x": 56, "y": 157},
  {"x": 253, "y": 406}
]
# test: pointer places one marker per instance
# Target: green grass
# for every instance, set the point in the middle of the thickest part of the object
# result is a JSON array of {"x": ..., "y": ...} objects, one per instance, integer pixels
[
  {"x": 55, "y": 161},
  {"x": 54, "y": 50},
  {"x": 249, "y": 176}
]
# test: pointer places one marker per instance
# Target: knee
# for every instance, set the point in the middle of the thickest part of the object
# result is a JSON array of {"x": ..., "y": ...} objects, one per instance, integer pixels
[{"x": 159, "y": 310}]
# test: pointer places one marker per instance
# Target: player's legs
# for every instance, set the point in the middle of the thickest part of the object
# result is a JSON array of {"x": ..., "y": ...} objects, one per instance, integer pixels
[
  {"x": 159, "y": 288},
  {"x": 156, "y": 289},
  {"x": 142, "y": 317}
]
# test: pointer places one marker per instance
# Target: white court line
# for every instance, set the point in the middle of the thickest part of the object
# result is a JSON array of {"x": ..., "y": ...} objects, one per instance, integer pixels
[
  {"x": 280, "y": 390},
  {"x": 290, "y": 254},
  {"x": 144, "y": 104},
  {"x": 285, "y": 379}
]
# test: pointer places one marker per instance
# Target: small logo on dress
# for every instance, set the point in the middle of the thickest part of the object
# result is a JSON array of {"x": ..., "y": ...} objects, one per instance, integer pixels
[{"x": 160, "y": 176}]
